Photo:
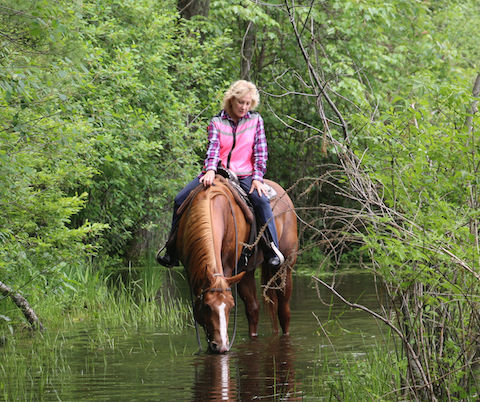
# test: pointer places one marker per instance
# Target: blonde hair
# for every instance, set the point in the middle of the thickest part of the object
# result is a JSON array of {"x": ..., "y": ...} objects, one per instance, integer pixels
[{"x": 239, "y": 89}]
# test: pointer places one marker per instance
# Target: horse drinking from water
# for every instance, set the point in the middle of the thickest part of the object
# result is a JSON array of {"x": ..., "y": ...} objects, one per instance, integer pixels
[{"x": 210, "y": 238}]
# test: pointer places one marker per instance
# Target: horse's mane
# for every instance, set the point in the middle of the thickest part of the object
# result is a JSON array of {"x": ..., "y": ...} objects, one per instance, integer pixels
[{"x": 198, "y": 237}]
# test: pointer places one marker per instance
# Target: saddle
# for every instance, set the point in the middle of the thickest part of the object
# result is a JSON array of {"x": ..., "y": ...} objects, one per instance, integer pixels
[
  {"x": 235, "y": 183},
  {"x": 230, "y": 179}
]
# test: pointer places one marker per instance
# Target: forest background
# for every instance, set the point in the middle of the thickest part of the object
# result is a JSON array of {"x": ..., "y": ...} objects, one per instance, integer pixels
[{"x": 370, "y": 112}]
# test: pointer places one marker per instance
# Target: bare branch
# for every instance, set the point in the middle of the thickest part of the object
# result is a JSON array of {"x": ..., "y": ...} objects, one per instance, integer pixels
[
  {"x": 320, "y": 86},
  {"x": 413, "y": 355}
]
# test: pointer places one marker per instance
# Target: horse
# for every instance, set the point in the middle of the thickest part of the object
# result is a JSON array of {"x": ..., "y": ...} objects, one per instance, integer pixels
[{"x": 211, "y": 234}]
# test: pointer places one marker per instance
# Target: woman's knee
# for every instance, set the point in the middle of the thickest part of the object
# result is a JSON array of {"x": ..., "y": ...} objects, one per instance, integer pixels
[
  {"x": 259, "y": 201},
  {"x": 262, "y": 206},
  {"x": 180, "y": 197}
]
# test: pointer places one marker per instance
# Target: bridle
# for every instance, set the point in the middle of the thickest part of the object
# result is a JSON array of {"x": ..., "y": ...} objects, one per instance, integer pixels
[
  {"x": 201, "y": 296},
  {"x": 202, "y": 293}
]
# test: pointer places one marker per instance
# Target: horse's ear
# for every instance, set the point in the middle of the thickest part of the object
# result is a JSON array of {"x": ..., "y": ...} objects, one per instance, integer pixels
[{"x": 236, "y": 278}]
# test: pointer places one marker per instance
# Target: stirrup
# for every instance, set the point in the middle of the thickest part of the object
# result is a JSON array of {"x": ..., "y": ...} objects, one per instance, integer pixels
[{"x": 277, "y": 252}]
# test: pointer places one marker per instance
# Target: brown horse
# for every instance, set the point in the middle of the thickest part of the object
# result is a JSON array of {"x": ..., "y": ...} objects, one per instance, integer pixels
[{"x": 209, "y": 243}]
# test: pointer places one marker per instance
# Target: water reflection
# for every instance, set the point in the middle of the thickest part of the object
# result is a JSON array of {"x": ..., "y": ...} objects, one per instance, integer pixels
[
  {"x": 267, "y": 370},
  {"x": 260, "y": 369},
  {"x": 280, "y": 367},
  {"x": 213, "y": 380}
]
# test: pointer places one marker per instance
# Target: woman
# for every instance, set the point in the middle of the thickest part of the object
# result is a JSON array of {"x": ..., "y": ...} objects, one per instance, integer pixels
[{"x": 236, "y": 139}]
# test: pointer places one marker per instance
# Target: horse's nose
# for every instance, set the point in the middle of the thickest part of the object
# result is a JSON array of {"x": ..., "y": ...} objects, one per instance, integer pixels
[{"x": 216, "y": 348}]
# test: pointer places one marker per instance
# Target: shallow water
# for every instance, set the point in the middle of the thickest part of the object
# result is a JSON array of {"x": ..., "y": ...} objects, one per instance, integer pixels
[{"x": 149, "y": 365}]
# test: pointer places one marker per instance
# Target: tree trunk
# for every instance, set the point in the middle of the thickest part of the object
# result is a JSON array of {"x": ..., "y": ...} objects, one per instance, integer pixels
[
  {"x": 473, "y": 200},
  {"x": 22, "y": 304},
  {"x": 473, "y": 107},
  {"x": 190, "y": 8},
  {"x": 247, "y": 50}
]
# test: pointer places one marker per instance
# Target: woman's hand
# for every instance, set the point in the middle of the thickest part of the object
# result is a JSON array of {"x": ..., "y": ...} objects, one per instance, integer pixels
[
  {"x": 259, "y": 186},
  {"x": 207, "y": 180}
]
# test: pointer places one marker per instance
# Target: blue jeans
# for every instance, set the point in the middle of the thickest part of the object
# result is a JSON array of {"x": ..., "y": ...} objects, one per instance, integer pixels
[
  {"x": 180, "y": 197},
  {"x": 262, "y": 207}
]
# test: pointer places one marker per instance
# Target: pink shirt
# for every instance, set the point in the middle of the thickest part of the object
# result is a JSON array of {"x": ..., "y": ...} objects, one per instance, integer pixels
[{"x": 241, "y": 147}]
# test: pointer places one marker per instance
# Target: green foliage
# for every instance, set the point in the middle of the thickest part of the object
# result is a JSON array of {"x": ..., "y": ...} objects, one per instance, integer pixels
[
  {"x": 425, "y": 156},
  {"x": 41, "y": 155},
  {"x": 374, "y": 375},
  {"x": 101, "y": 109},
  {"x": 146, "y": 78}
]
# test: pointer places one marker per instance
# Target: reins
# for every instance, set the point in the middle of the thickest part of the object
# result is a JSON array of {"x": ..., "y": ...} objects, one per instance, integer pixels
[{"x": 193, "y": 312}]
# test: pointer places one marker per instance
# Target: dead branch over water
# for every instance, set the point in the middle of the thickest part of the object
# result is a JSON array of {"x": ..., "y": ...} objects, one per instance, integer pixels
[
  {"x": 432, "y": 297},
  {"x": 22, "y": 304}
]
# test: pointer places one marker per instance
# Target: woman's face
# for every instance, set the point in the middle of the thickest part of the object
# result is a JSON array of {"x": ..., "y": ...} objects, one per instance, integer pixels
[{"x": 241, "y": 105}]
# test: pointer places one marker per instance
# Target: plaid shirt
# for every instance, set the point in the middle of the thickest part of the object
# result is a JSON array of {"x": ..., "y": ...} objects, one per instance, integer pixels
[{"x": 260, "y": 150}]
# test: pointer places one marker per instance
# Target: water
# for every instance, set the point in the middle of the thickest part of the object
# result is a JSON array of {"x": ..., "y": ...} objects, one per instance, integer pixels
[{"x": 145, "y": 364}]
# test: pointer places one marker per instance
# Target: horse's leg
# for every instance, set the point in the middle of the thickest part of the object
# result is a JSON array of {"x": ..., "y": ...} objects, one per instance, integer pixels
[
  {"x": 271, "y": 304},
  {"x": 283, "y": 298},
  {"x": 248, "y": 294},
  {"x": 286, "y": 224}
]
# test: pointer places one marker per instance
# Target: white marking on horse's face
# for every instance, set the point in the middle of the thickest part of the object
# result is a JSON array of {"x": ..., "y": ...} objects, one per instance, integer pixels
[{"x": 223, "y": 325}]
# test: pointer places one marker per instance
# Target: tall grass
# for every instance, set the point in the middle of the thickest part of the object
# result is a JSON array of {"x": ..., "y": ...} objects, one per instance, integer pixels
[
  {"x": 131, "y": 298},
  {"x": 126, "y": 298},
  {"x": 373, "y": 375}
]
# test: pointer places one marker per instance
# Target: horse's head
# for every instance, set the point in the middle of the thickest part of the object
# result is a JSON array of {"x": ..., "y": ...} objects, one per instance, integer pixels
[{"x": 212, "y": 309}]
